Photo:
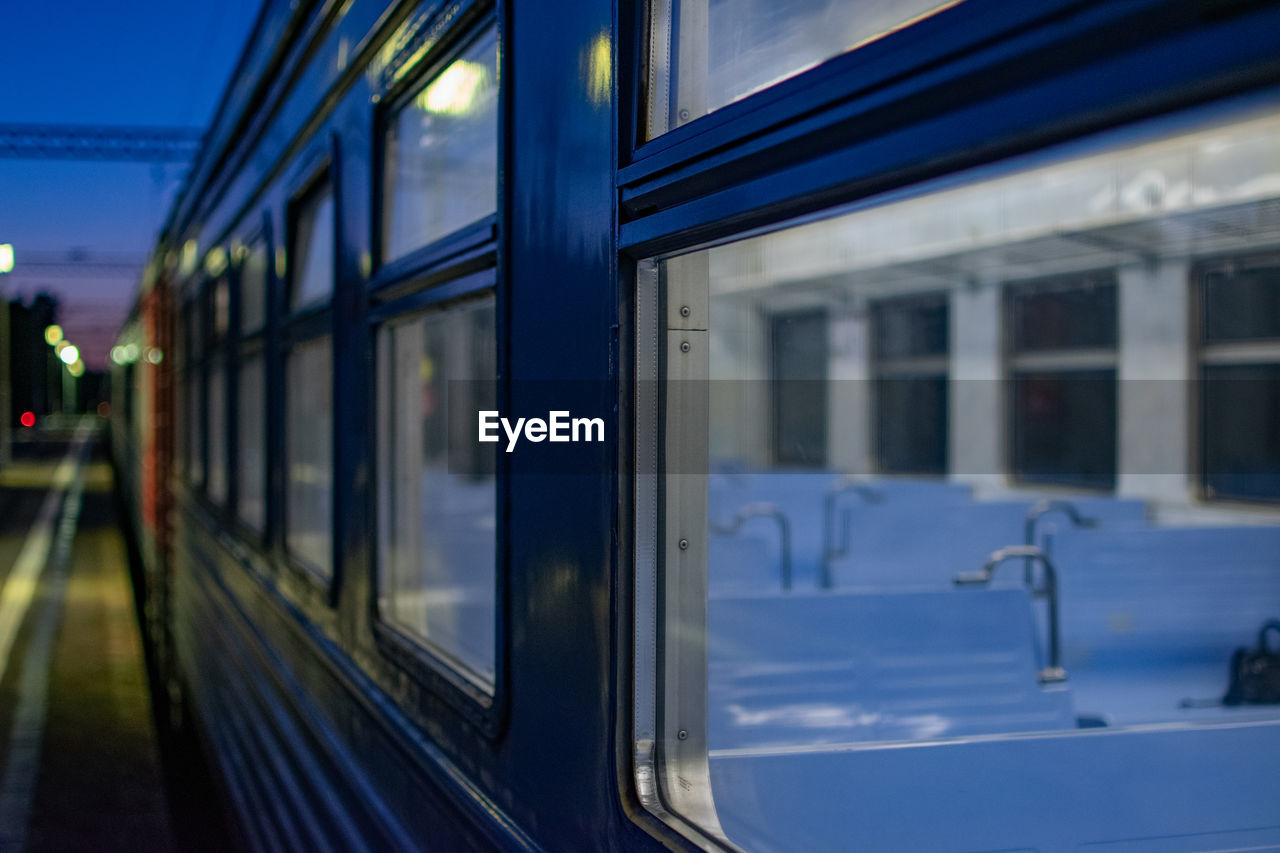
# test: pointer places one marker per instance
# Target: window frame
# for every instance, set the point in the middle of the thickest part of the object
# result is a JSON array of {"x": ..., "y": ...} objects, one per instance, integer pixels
[
  {"x": 247, "y": 343},
  {"x": 1062, "y": 360},
  {"x": 465, "y": 248},
  {"x": 291, "y": 326},
  {"x": 217, "y": 350},
  {"x": 743, "y": 167},
  {"x": 929, "y": 366},
  {"x": 456, "y": 268},
  {"x": 855, "y": 132},
  {"x": 1207, "y": 354}
]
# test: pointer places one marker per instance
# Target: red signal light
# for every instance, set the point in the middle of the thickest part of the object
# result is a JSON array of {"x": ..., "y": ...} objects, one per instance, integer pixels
[{"x": 28, "y": 419}]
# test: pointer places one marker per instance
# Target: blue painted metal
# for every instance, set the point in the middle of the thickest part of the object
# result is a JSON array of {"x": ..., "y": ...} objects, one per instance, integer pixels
[{"x": 327, "y": 737}]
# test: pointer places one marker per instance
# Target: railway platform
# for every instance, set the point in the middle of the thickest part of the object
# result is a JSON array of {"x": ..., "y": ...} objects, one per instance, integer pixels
[{"x": 80, "y": 762}]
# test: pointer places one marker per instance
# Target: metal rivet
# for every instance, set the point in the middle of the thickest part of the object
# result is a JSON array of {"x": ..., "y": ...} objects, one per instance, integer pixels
[
  {"x": 684, "y": 311},
  {"x": 683, "y": 735},
  {"x": 684, "y": 115},
  {"x": 684, "y": 544},
  {"x": 684, "y": 346}
]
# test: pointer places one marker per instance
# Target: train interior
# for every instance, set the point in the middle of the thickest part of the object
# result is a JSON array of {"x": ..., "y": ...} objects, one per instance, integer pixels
[{"x": 901, "y": 392}]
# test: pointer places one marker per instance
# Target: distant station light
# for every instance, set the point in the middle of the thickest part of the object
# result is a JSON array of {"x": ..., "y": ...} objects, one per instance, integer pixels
[
  {"x": 76, "y": 368},
  {"x": 6, "y": 257},
  {"x": 53, "y": 335},
  {"x": 28, "y": 419},
  {"x": 154, "y": 355},
  {"x": 69, "y": 354},
  {"x": 118, "y": 355}
]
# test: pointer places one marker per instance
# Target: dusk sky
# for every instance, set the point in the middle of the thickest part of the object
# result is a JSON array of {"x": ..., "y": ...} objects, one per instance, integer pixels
[{"x": 146, "y": 62}]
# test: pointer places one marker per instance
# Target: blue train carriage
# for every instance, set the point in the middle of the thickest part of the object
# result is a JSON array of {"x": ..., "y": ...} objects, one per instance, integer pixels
[{"x": 937, "y": 350}]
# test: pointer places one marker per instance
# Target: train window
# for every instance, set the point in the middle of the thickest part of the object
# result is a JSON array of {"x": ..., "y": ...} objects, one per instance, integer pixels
[
  {"x": 194, "y": 396},
  {"x": 251, "y": 388},
  {"x": 1063, "y": 375},
  {"x": 705, "y": 54},
  {"x": 441, "y": 152},
  {"x": 312, "y": 255},
  {"x": 251, "y": 482},
  {"x": 803, "y": 630},
  {"x": 309, "y": 454},
  {"x": 438, "y": 515},
  {"x": 216, "y": 416},
  {"x": 220, "y": 309},
  {"x": 253, "y": 289},
  {"x": 1240, "y": 373},
  {"x": 910, "y": 343}
]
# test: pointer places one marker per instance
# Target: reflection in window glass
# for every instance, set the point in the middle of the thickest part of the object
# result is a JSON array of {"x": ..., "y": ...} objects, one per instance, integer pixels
[
  {"x": 217, "y": 415},
  {"x": 220, "y": 298},
  {"x": 309, "y": 454},
  {"x": 910, "y": 341},
  {"x": 1064, "y": 428},
  {"x": 313, "y": 249},
  {"x": 1242, "y": 431},
  {"x": 1242, "y": 304},
  {"x": 253, "y": 289},
  {"x": 847, "y": 609},
  {"x": 1078, "y": 313},
  {"x": 192, "y": 411},
  {"x": 436, "y": 566},
  {"x": 705, "y": 54},
  {"x": 441, "y": 153},
  {"x": 251, "y": 481}
]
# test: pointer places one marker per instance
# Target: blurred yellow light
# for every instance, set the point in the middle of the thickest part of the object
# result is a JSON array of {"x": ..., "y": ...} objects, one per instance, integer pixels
[
  {"x": 190, "y": 257},
  {"x": 53, "y": 335},
  {"x": 76, "y": 368},
  {"x": 69, "y": 354},
  {"x": 6, "y": 257},
  {"x": 216, "y": 261},
  {"x": 454, "y": 91},
  {"x": 600, "y": 69}
]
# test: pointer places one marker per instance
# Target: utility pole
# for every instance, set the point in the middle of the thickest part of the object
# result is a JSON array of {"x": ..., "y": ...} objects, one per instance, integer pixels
[{"x": 6, "y": 343}]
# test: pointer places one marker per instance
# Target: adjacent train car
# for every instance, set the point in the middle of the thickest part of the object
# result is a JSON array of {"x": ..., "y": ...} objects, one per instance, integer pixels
[{"x": 934, "y": 349}]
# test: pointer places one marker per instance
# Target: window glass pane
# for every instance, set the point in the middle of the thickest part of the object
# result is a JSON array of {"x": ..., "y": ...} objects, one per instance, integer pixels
[
  {"x": 192, "y": 415},
  {"x": 1242, "y": 304},
  {"x": 910, "y": 328},
  {"x": 253, "y": 289},
  {"x": 217, "y": 414},
  {"x": 1071, "y": 314},
  {"x": 1241, "y": 408},
  {"x": 911, "y": 425},
  {"x": 313, "y": 249},
  {"x": 441, "y": 152},
  {"x": 818, "y": 614},
  {"x": 1064, "y": 427},
  {"x": 251, "y": 481},
  {"x": 309, "y": 454},
  {"x": 220, "y": 306},
  {"x": 438, "y": 526},
  {"x": 199, "y": 424},
  {"x": 705, "y": 54}
]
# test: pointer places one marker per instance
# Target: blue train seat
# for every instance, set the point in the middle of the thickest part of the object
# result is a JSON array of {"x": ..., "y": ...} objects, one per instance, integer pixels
[
  {"x": 815, "y": 668},
  {"x": 1151, "y": 616}
]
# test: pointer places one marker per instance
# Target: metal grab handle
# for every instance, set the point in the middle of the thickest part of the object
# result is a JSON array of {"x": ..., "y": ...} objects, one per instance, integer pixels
[
  {"x": 763, "y": 510},
  {"x": 831, "y": 550},
  {"x": 1044, "y": 507},
  {"x": 1054, "y": 672}
]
